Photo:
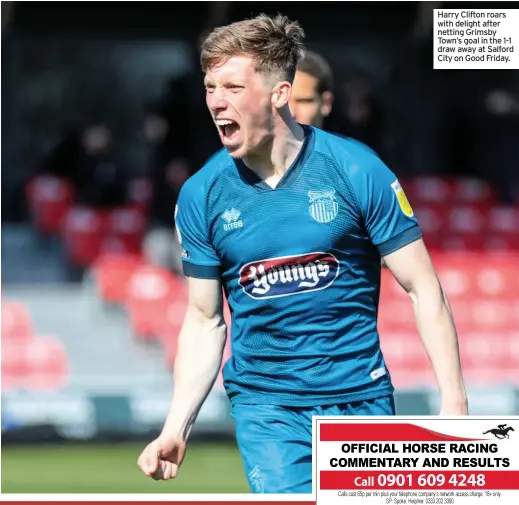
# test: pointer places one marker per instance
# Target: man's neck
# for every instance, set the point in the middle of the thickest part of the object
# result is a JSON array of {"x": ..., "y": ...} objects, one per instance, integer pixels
[{"x": 272, "y": 164}]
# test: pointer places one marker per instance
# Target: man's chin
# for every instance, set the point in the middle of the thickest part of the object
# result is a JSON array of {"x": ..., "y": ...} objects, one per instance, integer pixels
[{"x": 236, "y": 151}]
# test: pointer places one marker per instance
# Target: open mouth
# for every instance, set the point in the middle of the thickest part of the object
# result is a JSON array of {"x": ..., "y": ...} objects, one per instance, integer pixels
[{"x": 228, "y": 129}]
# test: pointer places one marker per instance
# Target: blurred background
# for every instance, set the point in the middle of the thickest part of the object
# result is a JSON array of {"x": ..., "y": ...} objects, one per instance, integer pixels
[{"x": 103, "y": 119}]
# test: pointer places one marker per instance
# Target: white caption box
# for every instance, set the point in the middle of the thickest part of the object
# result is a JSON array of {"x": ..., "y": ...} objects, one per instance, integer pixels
[
  {"x": 416, "y": 460},
  {"x": 485, "y": 39}
]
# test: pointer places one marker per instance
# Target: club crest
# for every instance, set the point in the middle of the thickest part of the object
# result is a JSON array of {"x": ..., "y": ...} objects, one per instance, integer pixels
[{"x": 323, "y": 205}]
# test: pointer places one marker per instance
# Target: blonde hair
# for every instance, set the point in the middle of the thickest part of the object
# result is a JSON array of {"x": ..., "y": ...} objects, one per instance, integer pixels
[{"x": 275, "y": 44}]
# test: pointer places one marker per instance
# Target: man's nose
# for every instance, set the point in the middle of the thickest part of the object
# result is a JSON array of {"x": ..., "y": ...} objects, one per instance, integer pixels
[{"x": 218, "y": 103}]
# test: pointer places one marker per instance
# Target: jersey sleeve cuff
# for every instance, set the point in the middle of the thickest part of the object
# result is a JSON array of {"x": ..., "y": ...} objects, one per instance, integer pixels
[
  {"x": 400, "y": 240},
  {"x": 201, "y": 271}
]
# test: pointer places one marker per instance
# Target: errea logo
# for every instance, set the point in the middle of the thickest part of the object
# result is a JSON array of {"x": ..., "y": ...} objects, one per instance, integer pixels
[{"x": 231, "y": 218}]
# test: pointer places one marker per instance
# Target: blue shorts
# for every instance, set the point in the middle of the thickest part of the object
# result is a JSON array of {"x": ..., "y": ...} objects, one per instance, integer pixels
[{"x": 276, "y": 442}]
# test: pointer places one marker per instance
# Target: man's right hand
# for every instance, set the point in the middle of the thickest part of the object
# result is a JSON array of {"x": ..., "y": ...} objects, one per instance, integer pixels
[{"x": 162, "y": 458}]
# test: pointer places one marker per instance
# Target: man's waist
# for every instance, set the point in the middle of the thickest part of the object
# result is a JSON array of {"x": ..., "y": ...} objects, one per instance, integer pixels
[{"x": 244, "y": 396}]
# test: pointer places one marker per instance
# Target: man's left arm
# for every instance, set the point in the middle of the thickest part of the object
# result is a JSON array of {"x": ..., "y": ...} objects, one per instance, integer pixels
[
  {"x": 413, "y": 269},
  {"x": 393, "y": 229}
]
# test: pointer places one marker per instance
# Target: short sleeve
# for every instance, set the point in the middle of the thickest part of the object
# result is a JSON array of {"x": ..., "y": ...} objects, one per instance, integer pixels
[
  {"x": 389, "y": 218},
  {"x": 199, "y": 259}
]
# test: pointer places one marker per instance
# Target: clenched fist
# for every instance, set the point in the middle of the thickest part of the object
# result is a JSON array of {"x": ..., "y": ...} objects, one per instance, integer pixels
[{"x": 162, "y": 458}]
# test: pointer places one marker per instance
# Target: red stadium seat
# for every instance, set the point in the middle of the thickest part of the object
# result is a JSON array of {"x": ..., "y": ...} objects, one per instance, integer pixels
[
  {"x": 502, "y": 228},
  {"x": 486, "y": 314},
  {"x": 503, "y": 219},
  {"x": 14, "y": 364},
  {"x": 497, "y": 281},
  {"x": 427, "y": 189},
  {"x": 458, "y": 282},
  {"x": 112, "y": 273},
  {"x": 47, "y": 364},
  {"x": 466, "y": 219},
  {"x": 37, "y": 364},
  {"x": 431, "y": 218},
  {"x": 49, "y": 200},
  {"x": 458, "y": 242},
  {"x": 396, "y": 314},
  {"x": 125, "y": 229},
  {"x": 448, "y": 190},
  {"x": 83, "y": 235},
  {"x": 406, "y": 359},
  {"x": 466, "y": 227},
  {"x": 16, "y": 322},
  {"x": 471, "y": 190},
  {"x": 472, "y": 276},
  {"x": 150, "y": 293},
  {"x": 490, "y": 358}
]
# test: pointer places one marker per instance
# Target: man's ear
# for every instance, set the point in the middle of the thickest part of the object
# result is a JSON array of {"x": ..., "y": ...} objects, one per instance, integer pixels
[
  {"x": 281, "y": 94},
  {"x": 326, "y": 103}
]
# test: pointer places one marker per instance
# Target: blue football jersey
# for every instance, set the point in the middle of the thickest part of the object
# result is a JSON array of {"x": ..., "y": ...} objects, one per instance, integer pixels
[{"x": 300, "y": 266}]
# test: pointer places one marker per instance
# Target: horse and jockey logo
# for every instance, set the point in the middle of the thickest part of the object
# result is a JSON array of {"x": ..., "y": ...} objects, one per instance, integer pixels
[
  {"x": 500, "y": 432},
  {"x": 323, "y": 205}
]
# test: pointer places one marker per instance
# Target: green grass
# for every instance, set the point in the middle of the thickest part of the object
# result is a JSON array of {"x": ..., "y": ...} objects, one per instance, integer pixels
[{"x": 207, "y": 468}]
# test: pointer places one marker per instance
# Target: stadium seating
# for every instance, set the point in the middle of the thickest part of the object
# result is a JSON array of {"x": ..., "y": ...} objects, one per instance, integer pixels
[
  {"x": 49, "y": 199},
  {"x": 16, "y": 322},
  {"x": 462, "y": 214},
  {"x": 126, "y": 226},
  {"x": 151, "y": 291},
  {"x": 448, "y": 190},
  {"x": 30, "y": 361},
  {"x": 83, "y": 235},
  {"x": 89, "y": 232},
  {"x": 483, "y": 291},
  {"x": 473, "y": 239},
  {"x": 47, "y": 364},
  {"x": 38, "y": 364},
  {"x": 112, "y": 273}
]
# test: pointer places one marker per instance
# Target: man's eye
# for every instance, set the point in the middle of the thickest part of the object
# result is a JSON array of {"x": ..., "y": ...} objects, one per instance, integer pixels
[{"x": 209, "y": 89}]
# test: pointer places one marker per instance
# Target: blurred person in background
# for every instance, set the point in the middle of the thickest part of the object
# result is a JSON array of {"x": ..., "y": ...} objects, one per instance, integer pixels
[
  {"x": 86, "y": 158},
  {"x": 300, "y": 347},
  {"x": 359, "y": 113},
  {"x": 311, "y": 99},
  {"x": 167, "y": 129}
]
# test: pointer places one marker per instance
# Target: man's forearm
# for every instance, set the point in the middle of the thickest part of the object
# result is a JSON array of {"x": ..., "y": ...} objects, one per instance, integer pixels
[
  {"x": 198, "y": 361},
  {"x": 438, "y": 332}
]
